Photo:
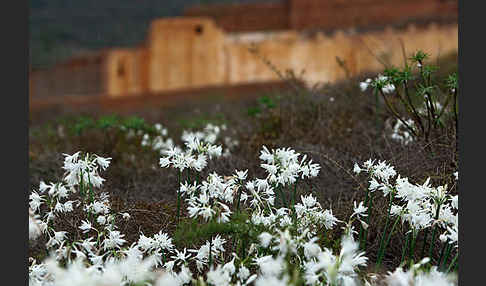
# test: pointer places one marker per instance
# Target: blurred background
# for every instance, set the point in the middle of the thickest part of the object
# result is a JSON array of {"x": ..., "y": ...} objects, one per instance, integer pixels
[
  {"x": 91, "y": 52},
  {"x": 60, "y": 29},
  {"x": 127, "y": 79}
]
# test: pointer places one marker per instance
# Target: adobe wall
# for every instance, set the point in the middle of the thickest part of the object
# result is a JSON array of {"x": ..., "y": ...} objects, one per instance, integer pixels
[
  {"x": 323, "y": 14},
  {"x": 78, "y": 76},
  {"x": 247, "y": 17},
  {"x": 317, "y": 55},
  {"x": 127, "y": 71},
  {"x": 182, "y": 53},
  {"x": 185, "y": 52},
  {"x": 340, "y": 14}
]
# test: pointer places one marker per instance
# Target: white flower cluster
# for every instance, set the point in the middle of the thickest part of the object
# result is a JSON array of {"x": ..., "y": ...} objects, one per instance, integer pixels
[
  {"x": 401, "y": 134},
  {"x": 416, "y": 275},
  {"x": 210, "y": 199},
  {"x": 284, "y": 168},
  {"x": 79, "y": 170},
  {"x": 196, "y": 142},
  {"x": 423, "y": 109},
  {"x": 158, "y": 142},
  {"x": 311, "y": 216},
  {"x": 55, "y": 200},
  {"x": 380, "y": 81},
  {"x": 99, "y": 255},
  {"x": 320, "y": 266},
  {"x": 34, "y": 225},
  {"x": 199, "y": 147},
  {"x": 261, "y": 193},
  {"x": 421, "y": 206},
  {"x": 332, "y": 269}
]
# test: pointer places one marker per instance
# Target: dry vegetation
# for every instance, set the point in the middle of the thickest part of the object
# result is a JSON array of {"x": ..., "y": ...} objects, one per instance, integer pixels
[{"x": 335, "y": 125}]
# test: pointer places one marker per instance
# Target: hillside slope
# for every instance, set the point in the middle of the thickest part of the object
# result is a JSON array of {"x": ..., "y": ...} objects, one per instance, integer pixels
[{"x": 60, "y": 28}]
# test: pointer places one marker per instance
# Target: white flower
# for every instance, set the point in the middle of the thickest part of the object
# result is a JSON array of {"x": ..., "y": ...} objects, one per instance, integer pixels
[
  {"x": 214, "y": 151},
  {"x": 180, "y": 255},
  {"x": 59, "y": 207},
  {"x": 68, "y": 206},
  {"x": 85, "y": 226},
  {"x": 389, "y": 88},
  {"x": 164, "y": 162},
  {"x": 218, "y": 243},
  {"x": 360, "y": 210},
  {"x": 56, "y": 239},
  {"x": 373, "y": 185},
  {"x": 163, "y": 241},
  {"x": 265, "y": 239},
  {"x": 399, "y": 278},
  {"x": 243, "y": 273},
  {"x": 311, "y": 249},
  {"x": 145, "y": 243},
  {"x": 270, "y": 266},
  {"x": 241, "y": 175},
  {"x": 271, "y": 169},
  {"x": 71, "y": 158},
  {"x": 329, "y": 219},
  {"x": 218, "y": 277},
  {"x": 230, "y": 267},
  {"x": 443, "y": 237},
  {"x": 455, "y": 202},
  {"x": 395, "y": 210},
  {"x": 364, "y": 84},
  {"x": 101, "y": 219},
  {"x": 34, "y": 226},
  {"x": 126, "y": 216},
  {"x": 35, "y": 201},
  {"x": 309, "y": 201},
  {"x": 199, "y": 164},
  {"x": 114, "y": 240},
  {"x": 266, "y": 156},
  {"x": 103, "y": 162},
  {"x": 43, "y": 186}
]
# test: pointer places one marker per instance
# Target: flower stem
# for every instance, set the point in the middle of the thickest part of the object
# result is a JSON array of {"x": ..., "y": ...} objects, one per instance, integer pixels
[
  {"x": 395, "y": 113},
  {"x": 282, "y": 197},
  {"x": 405, "y": 248},
  {"x": 294, "y": 194},
  {"x": 412, "y": 244},
  {"x": 442, "y": 252},
  {"x": 365, "y": 236},
  {"x": 447, "y": 253},
  {"x": 381, "y": 250},
  {"x": 238, "y": 200},
  {"x": 432, "y": 241},
  {"x": 452, "y": 263},
  {"x": 210, "y": 254},
  {"x": 179, "y": 197},
  {"x": 360, "y": 225},
  {"x": 425, "y": 243}
]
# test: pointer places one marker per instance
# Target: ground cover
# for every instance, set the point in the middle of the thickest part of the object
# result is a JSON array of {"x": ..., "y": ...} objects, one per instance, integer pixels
[{"x": 339, "y": 127}]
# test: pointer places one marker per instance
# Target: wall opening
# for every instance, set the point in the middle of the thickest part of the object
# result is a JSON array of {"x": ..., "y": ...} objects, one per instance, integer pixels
[
  {"x": 120, "y": 70},
  {"x": 199, "y": 30}
]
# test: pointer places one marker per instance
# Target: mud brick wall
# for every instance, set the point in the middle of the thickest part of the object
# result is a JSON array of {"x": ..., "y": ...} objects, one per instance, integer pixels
[
  {"x": 245, "y": 17},
  {"x": 340, "y": 14},
  {"x": 317, "y": 56},
  {"x": 185, "y": 52},
  {"x": 79, "y": 76},
  {"x": 323, "y": 14}
]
